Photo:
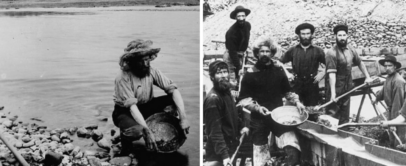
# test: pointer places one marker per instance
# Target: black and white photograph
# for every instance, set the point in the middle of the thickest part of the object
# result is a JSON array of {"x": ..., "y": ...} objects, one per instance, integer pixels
[
  {"x": 100, "y": 82},
  {"x": 304, "y": 82}
]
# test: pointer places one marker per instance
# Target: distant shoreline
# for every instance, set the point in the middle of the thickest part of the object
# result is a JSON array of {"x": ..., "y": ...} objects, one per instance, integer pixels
[{"x": 17, "y": 4}]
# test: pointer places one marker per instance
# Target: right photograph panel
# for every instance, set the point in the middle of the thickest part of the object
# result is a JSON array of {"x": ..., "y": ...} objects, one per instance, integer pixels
[{"x": 304, "y": 82}]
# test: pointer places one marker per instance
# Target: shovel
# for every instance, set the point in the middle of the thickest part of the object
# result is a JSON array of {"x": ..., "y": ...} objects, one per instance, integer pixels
[
  {"x": 375, "y": 81},
  {"x": 393, "y": 132},
  {"x": 236, "y": 151},
  {"x": 366, "y": 124},
  {"x": 334, "y": 121},
  {"x": 339, "y": 97}
]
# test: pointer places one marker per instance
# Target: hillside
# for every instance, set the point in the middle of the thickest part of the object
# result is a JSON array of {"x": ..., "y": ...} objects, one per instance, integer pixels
[{"x": 373, "y": 23}]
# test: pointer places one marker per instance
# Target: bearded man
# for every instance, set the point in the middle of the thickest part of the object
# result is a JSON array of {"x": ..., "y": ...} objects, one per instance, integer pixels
[
  {"x": 261, "y": 92},
  {"x": 306, "y": 59},
  {"x": 134, "y": 99},
  {"x": 220, "y": 117},
  {"x": 339, "y": 62},
  {"x": 237, "y": 39},
  {"x": 393, "y": 92}
]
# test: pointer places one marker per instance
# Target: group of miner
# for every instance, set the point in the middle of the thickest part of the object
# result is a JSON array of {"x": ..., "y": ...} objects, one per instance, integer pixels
[{"x": 267, "y": 86}]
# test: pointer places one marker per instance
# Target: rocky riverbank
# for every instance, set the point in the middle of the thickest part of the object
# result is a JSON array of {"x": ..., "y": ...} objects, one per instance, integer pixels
[{"x": 41, "y": 145}]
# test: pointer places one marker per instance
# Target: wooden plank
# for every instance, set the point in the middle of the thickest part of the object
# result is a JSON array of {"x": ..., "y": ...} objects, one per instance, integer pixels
[
  {"x": 360, "y": 139},
  {"x": 387, "y": 153},
  {"x": 212, "y": 56}
]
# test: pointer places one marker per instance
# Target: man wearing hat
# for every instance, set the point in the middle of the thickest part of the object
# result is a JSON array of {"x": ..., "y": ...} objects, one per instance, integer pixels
[
  {"x": 221, "y": 117},
  {"x": 339, "y": 62},
  {"x": 306, "y": 59},
  {"x": 206, "y": 10},
  {"x": 393, "y": 91},
  {"x": 134, "y": 99},
  {"x": 261, "y": 92},
  {"x": 237, "y": 38}
]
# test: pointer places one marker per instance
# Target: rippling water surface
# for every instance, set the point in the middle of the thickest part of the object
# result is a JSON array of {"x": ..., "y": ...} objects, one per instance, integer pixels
[{"x": 59, "y": 65}]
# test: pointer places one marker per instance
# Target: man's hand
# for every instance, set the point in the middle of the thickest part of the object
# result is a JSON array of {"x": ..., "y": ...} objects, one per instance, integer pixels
[
  {"x": 226, "y": 162},
  {"x": 300, "y": 107},
  {"x": 245, "y": 131},
  {"x": 369, "y": 80},
  {"x": 374, "y": 102},
  {"x": 150, "y": 140},
  {"x": 333, "y": 98},
  {"x": 290, "y": 76},
  {"x": 316, "y": 108},
  {"x": 241, "y": 72},
  {"x": 235, "y": 93},
  {"x": 264, "y": 111},
  {"x": 392, "y": 129},
  {"x": 384, "y": 124},
  {"x": 318, "y": 77},
  {"x": 184, "y": 124},
  {"x": 277, "y": 63}
]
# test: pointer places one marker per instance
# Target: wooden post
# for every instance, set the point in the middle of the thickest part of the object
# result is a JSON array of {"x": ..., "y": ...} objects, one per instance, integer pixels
[{"x": 338, "y": 158}]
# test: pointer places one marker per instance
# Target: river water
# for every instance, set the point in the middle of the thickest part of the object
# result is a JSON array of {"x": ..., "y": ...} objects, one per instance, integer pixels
[{"x": 59, "y": 65}]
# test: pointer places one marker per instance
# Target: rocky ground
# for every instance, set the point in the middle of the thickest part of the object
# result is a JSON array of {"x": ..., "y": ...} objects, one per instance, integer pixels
[
  {"x": 373, "y": 23},
  {"x": 41, "y": 145}
]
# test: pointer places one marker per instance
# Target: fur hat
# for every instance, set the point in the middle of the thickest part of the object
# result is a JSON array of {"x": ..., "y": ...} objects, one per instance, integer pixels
[
  {"x": 340, "y": 27},
  {"x": 213, "y": 67},
  {"x": 304, "y": 26}
]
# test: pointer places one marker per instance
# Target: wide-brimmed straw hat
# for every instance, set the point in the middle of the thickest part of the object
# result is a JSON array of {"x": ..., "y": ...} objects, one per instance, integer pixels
[
  {"x": 392, "y": 59},
  {"x": 238, "y": 9},
  {"x": 140, "y": 48}
]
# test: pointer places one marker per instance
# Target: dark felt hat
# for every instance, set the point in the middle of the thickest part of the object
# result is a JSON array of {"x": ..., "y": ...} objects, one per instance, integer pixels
[
  {"x": 340, "y": 27},
  {"x": 237, "y": 9},
  {"x": 390, "y": 58},
  {"x": 140, "y": 48},
  {"x": 304, "y": 26}
]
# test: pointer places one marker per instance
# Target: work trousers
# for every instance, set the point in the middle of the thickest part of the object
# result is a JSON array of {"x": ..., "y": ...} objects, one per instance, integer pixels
[{"x": 123, "y": 119}]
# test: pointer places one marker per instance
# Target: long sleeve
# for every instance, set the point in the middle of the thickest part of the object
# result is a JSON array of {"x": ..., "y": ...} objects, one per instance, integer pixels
[
  {"x": 399, "y": 96},
  {"x": 379, "y": 94},
  {"x": 212, "y": 120}
]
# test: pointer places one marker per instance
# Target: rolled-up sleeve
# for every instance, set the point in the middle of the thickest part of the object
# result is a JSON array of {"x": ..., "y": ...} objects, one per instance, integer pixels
[
  {"x": 331, "y": 62},
  {"x": 163, "y": 82},
  {"x": 124, "y": 93},
  {"x": 287, "y": 57},
  {"x": 357, "y": 59}
]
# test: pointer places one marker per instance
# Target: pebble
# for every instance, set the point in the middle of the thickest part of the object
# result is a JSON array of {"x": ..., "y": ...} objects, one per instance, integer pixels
[
  {"x": 8, "y": 123},
  {"x": 55, "y": 138},
  {"x": 97, "y": 135},
  {"x": 39, "y": 145},
  {"x": 104, "y": 144},
  {"x": 82, "y": 132}
]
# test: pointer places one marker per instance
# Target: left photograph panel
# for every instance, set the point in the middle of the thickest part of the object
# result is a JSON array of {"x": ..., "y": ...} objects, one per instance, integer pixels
[{"x": 99, "y": 82}]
